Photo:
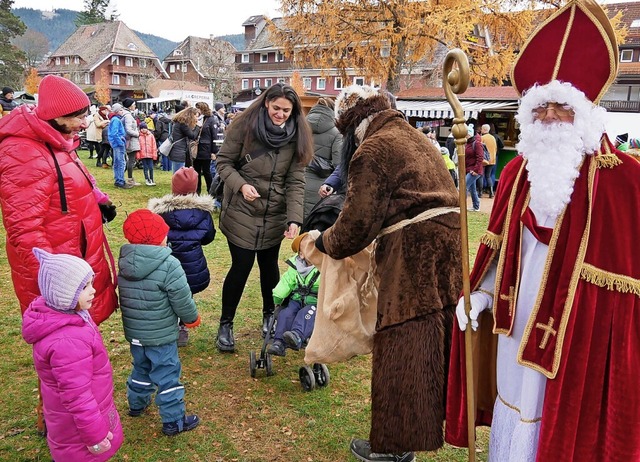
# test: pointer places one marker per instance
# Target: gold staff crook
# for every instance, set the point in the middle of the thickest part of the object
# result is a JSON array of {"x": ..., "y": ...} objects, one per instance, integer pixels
[{"x": 456, "y": 82}]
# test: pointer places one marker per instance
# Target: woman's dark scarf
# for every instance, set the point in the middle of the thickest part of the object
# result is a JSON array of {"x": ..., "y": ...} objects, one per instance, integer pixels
[{"x": 273, "y": 136}]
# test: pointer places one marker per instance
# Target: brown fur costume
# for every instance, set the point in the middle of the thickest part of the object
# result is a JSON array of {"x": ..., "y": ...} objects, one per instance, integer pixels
[{"x": 396, "y": 174}]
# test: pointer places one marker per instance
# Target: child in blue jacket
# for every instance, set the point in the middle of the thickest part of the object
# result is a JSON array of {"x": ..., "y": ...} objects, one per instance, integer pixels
[
  {"x": 300, "y": 285},
  {"x": 188, "y": 216}
]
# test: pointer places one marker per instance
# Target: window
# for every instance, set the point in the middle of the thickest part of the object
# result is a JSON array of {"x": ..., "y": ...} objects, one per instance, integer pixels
[
  {"x": 264, "y": 58},
  {"x": 115, "y": 79},
  {"x": 279, "y": 57},
  {"x": 268, "y": 82},
  {"x": 76, "y": 60},
  {"x": 385, "y": 52},
  {"x": 128, "y": 62},
  {"x": 245, "y": 84},
  {"x": 177, "y": 52},
  {"x": 66, "y": 60},
  {"x": 87, "y": 78},
  {"x": 306, "y": 83},
  {"x": 358, "y": 80},
  {"x": 321, "y": 83},
  {"x": 129, "y": 80},
  {"x": 57, "y": 61},
  {"x": 132, "y": 46},
  {"x": 338, "y": 83},
  {"x": 245, "y": 58},
  {"x": 184, "y": 67},
  {"x": 256, "y": 83},
  {"x": 626, "y": 56},
  {"x": 115, "y": 60},
  {"x": 172, "y": 68},
  {"x": 635, "y": 23},
  {"x": 142, "y": 62}
]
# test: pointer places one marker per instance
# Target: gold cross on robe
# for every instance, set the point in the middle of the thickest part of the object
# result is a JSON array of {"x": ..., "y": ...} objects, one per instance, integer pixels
[{"x": 548, "y": 331}]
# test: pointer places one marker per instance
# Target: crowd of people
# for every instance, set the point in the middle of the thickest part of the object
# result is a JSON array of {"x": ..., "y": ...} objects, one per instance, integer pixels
[{"x": 554, "y": 313}]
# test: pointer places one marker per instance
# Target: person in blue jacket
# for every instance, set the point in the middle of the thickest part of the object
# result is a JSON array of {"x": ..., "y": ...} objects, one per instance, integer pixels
[
  {"x": 188, "y": 216},
  {"x": 117, "y": 140}
]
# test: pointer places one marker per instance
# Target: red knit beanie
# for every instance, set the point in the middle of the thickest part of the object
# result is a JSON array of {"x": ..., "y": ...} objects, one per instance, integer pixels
[
  {"x": 59, "y": 97},
  {"x": 145, "y": 227},
  {"x": 184, "y": 181}
]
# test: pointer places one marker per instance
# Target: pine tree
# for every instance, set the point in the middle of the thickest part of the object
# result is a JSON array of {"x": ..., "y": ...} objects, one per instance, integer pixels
[
  {"x": 11, "y": 58},
  {"x": 94, "y": 12}
]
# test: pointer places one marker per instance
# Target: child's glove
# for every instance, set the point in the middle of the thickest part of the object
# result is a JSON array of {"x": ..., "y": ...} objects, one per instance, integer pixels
[
  {"x": 102, "y": 446},
  {"x": 193, "y": 324},
  {"x": 108, "y": 211}
]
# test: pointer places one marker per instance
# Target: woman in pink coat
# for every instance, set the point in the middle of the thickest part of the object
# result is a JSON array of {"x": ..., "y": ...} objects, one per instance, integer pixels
[{"x": 72, "y": 363}]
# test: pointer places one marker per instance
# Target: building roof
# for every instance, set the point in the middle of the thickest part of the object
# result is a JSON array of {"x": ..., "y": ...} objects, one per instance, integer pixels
[
  {"x": 630, "y": 18},
  {"x": 263, "y": 40},
  {"x": 93, "y": 43},
  {"x": 479, "y": 93},
  {"x": 194, "y": 47}
]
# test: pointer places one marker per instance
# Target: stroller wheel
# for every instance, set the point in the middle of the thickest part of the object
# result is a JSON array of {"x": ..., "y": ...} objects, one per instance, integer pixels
[
  {"x": 252, "y": 363},
  {"x": 307, "y": 378},
  {"x": 268, "y": 364},
  {"x": 321, "y": 373}
]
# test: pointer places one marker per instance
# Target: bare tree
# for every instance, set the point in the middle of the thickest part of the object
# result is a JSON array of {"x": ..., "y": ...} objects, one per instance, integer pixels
[{"x": 34, "y": 44}]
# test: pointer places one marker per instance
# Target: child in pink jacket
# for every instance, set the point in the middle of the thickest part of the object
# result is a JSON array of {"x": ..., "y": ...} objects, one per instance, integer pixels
[
  {"x": 72, "y": 363},
  {"x": 148, "y": 153}
]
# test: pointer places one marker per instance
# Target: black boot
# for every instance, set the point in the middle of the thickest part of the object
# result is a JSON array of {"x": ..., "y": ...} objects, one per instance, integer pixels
[
  {"x": 225, "y": 341},
  {"x": 266, "y": 319}
]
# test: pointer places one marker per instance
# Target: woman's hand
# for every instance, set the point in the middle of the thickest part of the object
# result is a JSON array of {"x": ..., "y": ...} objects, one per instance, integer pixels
[
  {"x": 292, "y": 232},
  {"x": 249, "y": 192},
  {"x": 325, "y": 190}
]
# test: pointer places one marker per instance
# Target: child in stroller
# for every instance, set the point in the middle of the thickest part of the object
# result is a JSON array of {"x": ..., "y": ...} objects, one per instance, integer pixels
[{"x": 298, "y": 286}]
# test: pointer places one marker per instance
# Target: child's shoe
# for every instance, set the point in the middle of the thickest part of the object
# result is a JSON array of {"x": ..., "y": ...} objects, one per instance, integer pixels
[
  {"x": 292, "y": 340},
  {"x": 188, "y": 422},
  {"x": 276, "y": 348},
  {"x": 183, "y": 336}
]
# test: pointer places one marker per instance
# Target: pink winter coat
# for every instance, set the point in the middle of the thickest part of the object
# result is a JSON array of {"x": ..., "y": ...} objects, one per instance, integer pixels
[
  {"x": 148, "y": 149},
  {"x": 76, "y": 383},
  {"x": 32, "y": 211}
]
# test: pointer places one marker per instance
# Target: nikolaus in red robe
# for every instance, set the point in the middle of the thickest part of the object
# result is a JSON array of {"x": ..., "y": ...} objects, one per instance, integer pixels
[{"x": 584, "y": 331}]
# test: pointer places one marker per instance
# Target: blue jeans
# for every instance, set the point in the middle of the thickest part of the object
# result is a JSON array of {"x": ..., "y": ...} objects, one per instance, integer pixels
[
  {"x": 147, "y": 166},
  {"x": 157, "y": 369},
  {"x": 165, "y": 163},
  {"x": 472, "y": 181},
  {"x": 489, "y": 177},
  {"x": 119, "y": 165},
  {"x": 175, "y": 166},
  {"x": 297, "y": 318}
]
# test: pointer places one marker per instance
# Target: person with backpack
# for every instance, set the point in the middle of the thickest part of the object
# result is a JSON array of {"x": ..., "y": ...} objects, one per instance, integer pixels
[
  {"x": 474, "y": 157},
  {"x": 489, "y": 165},
  {"x": 161, "y": 130}
]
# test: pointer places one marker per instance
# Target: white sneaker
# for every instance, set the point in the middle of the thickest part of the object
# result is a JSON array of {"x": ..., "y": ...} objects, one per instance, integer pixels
[
  {"x": 152, "y": 183},
  {"x": 147, "y": 182}
]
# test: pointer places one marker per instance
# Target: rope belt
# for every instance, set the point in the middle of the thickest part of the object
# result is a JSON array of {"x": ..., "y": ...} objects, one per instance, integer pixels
[{"x": 426, "y": 215}]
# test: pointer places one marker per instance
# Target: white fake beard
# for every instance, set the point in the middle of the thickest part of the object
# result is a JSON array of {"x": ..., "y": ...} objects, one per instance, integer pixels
[{"x": 554, "y": 154}]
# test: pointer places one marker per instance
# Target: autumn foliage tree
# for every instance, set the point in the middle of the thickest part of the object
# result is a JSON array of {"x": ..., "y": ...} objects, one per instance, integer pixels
[
  {"x": 381, "y": 39},
  {"x": 32, "y": 81},
  {"x": 103, "y": 92},
  {"x": 296, "y": 82}
]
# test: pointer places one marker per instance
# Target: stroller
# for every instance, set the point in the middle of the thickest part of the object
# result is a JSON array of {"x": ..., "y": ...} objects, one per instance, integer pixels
[{"x": 321, "y": 217}]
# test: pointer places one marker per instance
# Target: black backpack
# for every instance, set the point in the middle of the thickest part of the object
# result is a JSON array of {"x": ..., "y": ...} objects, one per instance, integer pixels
[{"x": 324, "y": 214}]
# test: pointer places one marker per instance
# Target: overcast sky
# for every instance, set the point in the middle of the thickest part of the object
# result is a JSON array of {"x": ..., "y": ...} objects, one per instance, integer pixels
[{"x": 175, "y": 19}]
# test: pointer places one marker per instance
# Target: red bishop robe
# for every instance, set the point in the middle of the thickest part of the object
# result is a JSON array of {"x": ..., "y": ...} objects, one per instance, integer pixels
[{"x": 584, "y": 331}]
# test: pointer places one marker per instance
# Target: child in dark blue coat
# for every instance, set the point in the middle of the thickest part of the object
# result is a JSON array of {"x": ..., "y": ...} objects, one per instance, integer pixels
[{"x": 188, "y": 216}]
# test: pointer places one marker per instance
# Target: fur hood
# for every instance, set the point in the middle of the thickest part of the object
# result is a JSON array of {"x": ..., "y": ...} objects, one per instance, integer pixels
[{"x": 171, "y": 202}]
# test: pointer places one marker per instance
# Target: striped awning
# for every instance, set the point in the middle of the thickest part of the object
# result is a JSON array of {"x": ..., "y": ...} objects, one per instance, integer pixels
[{"x": 442, "y": 110}]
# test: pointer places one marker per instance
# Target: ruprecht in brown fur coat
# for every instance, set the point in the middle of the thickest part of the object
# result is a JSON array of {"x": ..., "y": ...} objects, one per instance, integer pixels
[{"x": 396, "y": 174}]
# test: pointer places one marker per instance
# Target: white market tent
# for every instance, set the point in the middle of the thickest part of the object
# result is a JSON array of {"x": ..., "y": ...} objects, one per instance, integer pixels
[{"x": 442, "y": 110}]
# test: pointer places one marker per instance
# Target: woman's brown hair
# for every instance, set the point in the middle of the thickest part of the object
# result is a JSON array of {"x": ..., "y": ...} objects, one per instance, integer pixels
[
  {"x": 204, "y": 108},
  {"x": 188, "y": 116}
]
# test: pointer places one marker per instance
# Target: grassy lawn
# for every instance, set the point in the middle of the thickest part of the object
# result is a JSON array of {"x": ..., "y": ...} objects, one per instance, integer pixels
[{"x": 243, "y": 419}]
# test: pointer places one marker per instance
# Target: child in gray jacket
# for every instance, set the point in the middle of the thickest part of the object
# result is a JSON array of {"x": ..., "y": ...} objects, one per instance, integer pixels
[{"x": 153, "y": 294}]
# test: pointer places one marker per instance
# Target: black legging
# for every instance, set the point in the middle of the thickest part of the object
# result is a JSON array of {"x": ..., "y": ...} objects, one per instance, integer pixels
[
  {"x": 203, "y": 167},
  {"x": 241, "y": 264},
  {"x": 131, "y": 162}
]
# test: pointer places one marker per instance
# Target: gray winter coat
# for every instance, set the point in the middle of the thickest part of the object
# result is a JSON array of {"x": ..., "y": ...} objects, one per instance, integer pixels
[
  {"x": 153, "y": 294},
  {"x": 327, "y": 142},
  {"x": 132, "y": 132},
  {"x": 279, "y": 179}
]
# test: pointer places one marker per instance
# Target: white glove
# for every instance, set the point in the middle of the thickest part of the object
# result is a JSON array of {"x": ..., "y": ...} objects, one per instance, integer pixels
[{"x": 480, "y": 301}]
